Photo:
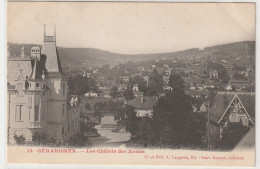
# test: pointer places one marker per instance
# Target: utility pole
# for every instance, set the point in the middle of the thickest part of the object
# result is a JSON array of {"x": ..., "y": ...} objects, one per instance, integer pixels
[
  {"x": 208, "y": 129},
  {"x": 8, "y": 132}
]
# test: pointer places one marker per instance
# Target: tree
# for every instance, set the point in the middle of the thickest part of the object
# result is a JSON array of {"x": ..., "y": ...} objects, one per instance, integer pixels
[
  {"x": 19, "y": 139},
  {"x": 125, "y": 116},
  {"x": 87, "y": 106},
  {"x": 223, "y": 75},
  {"x": 114, "y": 91},
  {"x": 142, "y": 132},
  {"x": 176, "y": 82},
  {"x": 172, "y": 125},
  {"x": 99, "y": 107},
  {"x": 142, "y": 85},
  {"x": 174, "y": 121},
  {"x": 222, "y": 72},
  {"x": 155, "y": 83},
  {"x": 128, "y": 94},
  {"x": 211, "y": 97},
  {"x": 81, "y": 85}
]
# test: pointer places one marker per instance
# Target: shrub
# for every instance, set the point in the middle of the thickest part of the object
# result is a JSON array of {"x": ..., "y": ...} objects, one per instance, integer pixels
[
  {"x": 40, "y": 138},
  {"x": 78, "y": 140},
  {"x": 20, "y": 139}
]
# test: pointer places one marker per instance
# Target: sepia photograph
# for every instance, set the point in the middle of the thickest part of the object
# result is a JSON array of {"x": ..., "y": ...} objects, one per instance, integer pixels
[{"x": 161, "y": 83}]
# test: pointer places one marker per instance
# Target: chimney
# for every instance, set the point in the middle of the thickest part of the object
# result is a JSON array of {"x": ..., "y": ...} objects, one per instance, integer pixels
[{"x": 142, "y": 99}]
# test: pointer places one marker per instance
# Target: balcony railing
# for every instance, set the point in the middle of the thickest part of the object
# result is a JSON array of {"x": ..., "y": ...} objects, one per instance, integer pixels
[{"x": 35, "y": 124}]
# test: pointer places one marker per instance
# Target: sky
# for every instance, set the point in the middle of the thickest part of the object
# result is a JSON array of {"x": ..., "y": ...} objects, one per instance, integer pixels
[{"x": 132, "y": 27}]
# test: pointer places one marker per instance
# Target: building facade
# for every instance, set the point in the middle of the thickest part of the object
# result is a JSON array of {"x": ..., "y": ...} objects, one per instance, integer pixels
[{"x": 37, "y": 92}]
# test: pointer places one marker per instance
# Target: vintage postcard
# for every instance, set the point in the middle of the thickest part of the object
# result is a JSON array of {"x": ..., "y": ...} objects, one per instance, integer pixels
[{"x": 131, "y": 83}]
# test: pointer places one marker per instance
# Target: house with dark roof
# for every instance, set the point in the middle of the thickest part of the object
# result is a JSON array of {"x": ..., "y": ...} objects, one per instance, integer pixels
[
  {"x": 143, "y": 105},
  {"x": 239, "y": 84},
  {"x": 137, "y": 93},
  {"x": 228, "y": 107}
]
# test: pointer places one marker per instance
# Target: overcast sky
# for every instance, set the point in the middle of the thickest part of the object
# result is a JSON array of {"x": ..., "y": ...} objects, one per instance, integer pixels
[{"x": 132, "y": 28}]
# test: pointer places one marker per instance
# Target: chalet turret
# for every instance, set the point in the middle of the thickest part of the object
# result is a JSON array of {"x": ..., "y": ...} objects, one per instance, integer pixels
[
  {"x": 49, "y": 38},
  {"x": 49, "y": 50}
]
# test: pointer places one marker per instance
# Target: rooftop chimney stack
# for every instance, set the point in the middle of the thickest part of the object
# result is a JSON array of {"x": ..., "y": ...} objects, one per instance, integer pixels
[{"x": 142, "y": 99}]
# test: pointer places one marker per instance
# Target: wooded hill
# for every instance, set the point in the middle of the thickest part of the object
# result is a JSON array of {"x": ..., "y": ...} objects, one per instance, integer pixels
[{"x": 88, "y": 57}]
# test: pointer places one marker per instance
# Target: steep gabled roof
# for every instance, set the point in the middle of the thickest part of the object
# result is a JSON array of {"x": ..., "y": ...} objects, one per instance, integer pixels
[
  {"x": 222, "y": 102},
  {"x": 219, "y": 106},
  {"x": 49, "y": 50},
  {"x": 248, "y": 101},
  {"x": 148, "y": 102}
]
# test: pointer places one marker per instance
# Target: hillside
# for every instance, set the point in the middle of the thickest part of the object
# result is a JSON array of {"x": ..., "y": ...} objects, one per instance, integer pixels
[{"x": 72, "y": 58}]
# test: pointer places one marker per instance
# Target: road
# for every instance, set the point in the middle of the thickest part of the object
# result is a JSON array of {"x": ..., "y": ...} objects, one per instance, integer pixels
[{"x": 108, "y": 138}]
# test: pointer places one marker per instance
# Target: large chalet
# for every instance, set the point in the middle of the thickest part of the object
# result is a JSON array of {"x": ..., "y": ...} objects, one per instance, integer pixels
[{"x": 228, "y": 107}]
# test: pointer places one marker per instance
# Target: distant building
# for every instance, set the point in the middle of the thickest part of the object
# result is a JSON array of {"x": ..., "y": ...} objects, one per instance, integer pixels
[
  {"x": 244, "y": 73},
  {"x": 198, "y": 93},
  {"x": 122, "y": 87},
  {"x": 102, "y": 88},
  {"x": 95, "y": 71},
  {"x": 143, "y": 105},
  {"x": 239, "y": 84},
  {"x": 107, "y": 94},
  {"x": 135, "y": 87},
  {"x": 203, "y": 107},
  {"x": 146, "y": 79},
  {"x": 125, "y": 79},
  {"x": 209, "y": 85},
  {"x": 213, "y": 74},
  {"x": 166, "y": 74},
  {"x": 229, "y": 88},
  {"x": 194, "y": 108},
  {"x": 91, "y": 94},
  {"x": 137, "y": 93},
  {"x": 167, "y": 88}
]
